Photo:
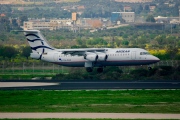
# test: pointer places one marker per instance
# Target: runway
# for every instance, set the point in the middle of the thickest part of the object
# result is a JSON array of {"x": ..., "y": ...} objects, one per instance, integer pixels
[
  {"x": 87, "y": 84},
  {"x": 89, "y": 115}
]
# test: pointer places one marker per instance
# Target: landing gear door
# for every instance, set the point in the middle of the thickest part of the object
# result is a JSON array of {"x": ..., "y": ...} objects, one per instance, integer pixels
[
  {"x": 88, "y": 64},
  {"x": 133, "y": 55},
  {"x": 56, "y": 57}
]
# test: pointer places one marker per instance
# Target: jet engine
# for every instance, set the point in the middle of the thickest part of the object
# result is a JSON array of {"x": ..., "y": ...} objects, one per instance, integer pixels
[
  {"x": 91, "y": 56},
  {"x": 102, "y": 57}
]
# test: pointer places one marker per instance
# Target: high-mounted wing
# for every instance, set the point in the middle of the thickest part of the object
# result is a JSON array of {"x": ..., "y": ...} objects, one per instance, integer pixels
[{"x": 82, "y": 52}]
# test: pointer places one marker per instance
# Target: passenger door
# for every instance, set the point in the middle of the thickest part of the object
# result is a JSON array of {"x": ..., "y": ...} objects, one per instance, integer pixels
[
  {"x": 133, "y": 55},
  {"x": 56, "y": 57}
]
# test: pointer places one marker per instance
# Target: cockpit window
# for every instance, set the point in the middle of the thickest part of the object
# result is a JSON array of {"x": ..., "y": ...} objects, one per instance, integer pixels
[{"x": 144, "y": 53}]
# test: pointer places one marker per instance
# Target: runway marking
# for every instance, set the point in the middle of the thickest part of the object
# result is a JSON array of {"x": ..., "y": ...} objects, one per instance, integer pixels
[
  {"x": 25, "y": 84},
  {"x": 90, "y": 115}
]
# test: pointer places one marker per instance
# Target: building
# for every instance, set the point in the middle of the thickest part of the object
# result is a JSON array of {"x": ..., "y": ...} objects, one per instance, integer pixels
[
  {"x": 37, "y": 25},
  {"x": 124, "y": 17},
  {"x": 74, "y": 16},
  {"x": 81, "y": 7},
  {"x": 2, "y": 15},
  {"x": 6, "y": 1},
  {"x": 161, "y": 19},
  {"x": 115, "y": 16},
  {"x": 152, "y": 8},
  {"x": 62, "y": 21},
  {"x": 94, "y": 23},
  {"x": 127, "y": 9},
  {"x": 53, "y": 24},
  {"x": 128, "y": 17}
]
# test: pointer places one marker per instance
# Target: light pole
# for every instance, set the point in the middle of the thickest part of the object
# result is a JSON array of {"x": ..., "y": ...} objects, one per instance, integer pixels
[
  {"x": 179, "y": 15},
  {"x": 171, "y": 28}
]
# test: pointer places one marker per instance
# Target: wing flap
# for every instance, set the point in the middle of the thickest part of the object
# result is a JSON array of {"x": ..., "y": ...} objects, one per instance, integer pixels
[{"x": 81, "y": 52}]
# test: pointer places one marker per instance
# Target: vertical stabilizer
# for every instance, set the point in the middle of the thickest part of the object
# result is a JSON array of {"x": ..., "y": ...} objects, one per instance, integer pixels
[{"x": 37, "y": 41}]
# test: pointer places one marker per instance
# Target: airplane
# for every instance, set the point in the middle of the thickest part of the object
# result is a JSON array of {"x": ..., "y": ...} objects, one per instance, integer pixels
[{"x": 86, "y": 57}]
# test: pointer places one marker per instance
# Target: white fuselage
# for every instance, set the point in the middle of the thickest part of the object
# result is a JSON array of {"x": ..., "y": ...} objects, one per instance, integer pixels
[
  {"x": 86, "y": 57},
  {"x": 115, "y": 57}
]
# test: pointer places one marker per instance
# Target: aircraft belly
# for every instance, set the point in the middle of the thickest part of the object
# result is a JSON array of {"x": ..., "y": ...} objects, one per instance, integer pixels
[
  {"x": 71, "y": 64},
  {"x": 127, "y": 62},
  {"x": 106, "y": 63}
]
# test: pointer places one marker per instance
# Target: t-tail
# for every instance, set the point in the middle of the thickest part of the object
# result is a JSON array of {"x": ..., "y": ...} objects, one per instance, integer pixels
[{"x": 38, "y": 43}]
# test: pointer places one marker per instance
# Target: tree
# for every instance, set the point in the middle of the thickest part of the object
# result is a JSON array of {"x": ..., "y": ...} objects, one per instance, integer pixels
[
  {"x": 150, "y": 18},
  {"x": 1, "y": 50},
  {"x": 125, "y": 42},
  {"x": 172, "y": 51},
  {"x": 146, "y": 7},
  {"x": 5, "y": 8},
  {"x": 79, "y": 41},
  {"x": 138, "y": 9},
  {"x": 26, "y": 51},
  {"x": 4, "y": 24},
  {"x": 9, "y": 52},
  {"x": 23, "y": 18},
  {"x": 3, "y": 36}
]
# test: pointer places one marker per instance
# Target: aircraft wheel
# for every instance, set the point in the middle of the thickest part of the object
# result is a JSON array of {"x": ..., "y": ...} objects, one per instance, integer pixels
[
  {"x": 89, "y": 69},
  {"x": 100, "y": 70},
  {"x": 149, "y": 68}
]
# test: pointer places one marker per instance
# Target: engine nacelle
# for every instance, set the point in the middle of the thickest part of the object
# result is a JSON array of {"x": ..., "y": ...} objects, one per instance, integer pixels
[
  {"x": 91, "y": 56},
  {"x": 102, "y": 57},
  {"x": 35, "y": 55}
]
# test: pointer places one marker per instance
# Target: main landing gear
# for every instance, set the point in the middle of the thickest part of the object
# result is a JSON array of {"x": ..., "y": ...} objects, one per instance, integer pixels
[
  {"x": 100, "y": 69},
  {"x": 149, "y": 68},
  {"x": 90, "y": 69}
]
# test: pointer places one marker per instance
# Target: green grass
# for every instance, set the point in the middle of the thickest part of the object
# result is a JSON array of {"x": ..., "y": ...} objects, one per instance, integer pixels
[
  {"x": 30, "y": 71},
  {"x": 19, "y": 74},
  {"x": 24, "y": 76},
  {"x": 133, "y": 101}
]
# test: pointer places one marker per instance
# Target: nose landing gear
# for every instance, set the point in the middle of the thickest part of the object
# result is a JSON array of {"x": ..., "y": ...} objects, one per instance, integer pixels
[{"x": 90, "y": 69}]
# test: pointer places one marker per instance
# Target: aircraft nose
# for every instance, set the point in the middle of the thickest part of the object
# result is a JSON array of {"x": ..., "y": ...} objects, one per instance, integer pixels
[{"x": 156, "y": 59}]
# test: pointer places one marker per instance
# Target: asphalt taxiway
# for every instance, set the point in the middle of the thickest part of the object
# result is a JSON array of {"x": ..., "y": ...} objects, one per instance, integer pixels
[
  {"x": 87, "y": 84},
  {"x": 89, "y": 115}
]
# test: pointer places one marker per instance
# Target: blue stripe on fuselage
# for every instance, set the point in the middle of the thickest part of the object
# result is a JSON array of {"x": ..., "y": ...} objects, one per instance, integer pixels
[{"x": 108, "y": 63}]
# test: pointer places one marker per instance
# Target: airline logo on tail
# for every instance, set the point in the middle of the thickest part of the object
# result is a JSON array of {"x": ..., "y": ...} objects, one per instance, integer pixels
[{"x": 37, "y": 42}]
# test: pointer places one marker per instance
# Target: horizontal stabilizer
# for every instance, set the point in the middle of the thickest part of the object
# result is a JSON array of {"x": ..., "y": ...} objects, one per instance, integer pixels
[
  {"x": 28, "y": 31},
  {"x": 35, "y": 55}
]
